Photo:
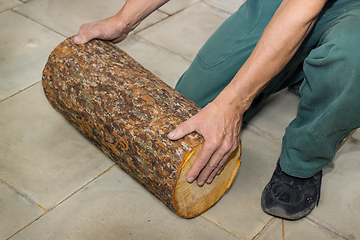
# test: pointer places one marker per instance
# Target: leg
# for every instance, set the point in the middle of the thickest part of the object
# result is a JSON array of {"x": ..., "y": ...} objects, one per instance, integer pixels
[
  {"x": 329, "y": 108},
  {"x": 327, "y": 113},
  {"x": 226, "y": 51}
]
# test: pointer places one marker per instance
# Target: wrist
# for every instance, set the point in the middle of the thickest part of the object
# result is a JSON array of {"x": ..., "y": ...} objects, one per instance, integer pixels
[
  {"x": 133, "y": 12},
  {"x": 232, "y": 98},
  {"x": 124, "y": 21}
]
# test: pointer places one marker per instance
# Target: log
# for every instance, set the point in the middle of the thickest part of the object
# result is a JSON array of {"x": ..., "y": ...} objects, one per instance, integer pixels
[{"x": 127, "y": 112}]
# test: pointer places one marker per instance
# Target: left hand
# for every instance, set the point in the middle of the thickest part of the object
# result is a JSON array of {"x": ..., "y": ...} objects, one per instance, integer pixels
[
  {"x": 219, "y": 123},
  {"x": 106, "y": 29}
]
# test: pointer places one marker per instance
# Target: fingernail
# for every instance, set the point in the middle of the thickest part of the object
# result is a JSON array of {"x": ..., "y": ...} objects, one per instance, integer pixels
[
  {"x": 191, "y": 179},
  {"x": 77, "y": 39},
  {"x": 201, "y": 183},
  {"x": 209, "y": 180},
  {"x": 172, "y": 134}
]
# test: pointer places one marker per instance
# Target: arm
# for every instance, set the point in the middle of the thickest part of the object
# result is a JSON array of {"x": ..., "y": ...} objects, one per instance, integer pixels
[
  {"x": 117, "y": 27},
  {"x": 220, "y": 121}
]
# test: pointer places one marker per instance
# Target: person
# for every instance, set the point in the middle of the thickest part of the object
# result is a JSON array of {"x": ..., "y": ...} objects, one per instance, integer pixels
[{"x": 264, "y": 47}]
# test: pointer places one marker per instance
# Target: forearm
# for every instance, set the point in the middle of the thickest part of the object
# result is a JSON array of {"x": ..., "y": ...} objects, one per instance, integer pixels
[
  {"x": 280, "y": 40},
  {"x": 134, "y": 11}
]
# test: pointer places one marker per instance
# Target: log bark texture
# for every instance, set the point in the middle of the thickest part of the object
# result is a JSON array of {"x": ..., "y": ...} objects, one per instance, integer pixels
[{"x": 127, "y": 111}]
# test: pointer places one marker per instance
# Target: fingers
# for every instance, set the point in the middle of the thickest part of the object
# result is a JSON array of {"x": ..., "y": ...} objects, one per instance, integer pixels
[
  {"x": 201, "y": 161},
  {"x": 79, "y": 39},
  {"x": 219, "y": 168},
  {"x": 213, "y": 155},
  {"x": 210, "y": 160},
  {"x": 85, "y": 34},
  {"x": 221, "y": 134},
  {"x": 106, "y": 29}
]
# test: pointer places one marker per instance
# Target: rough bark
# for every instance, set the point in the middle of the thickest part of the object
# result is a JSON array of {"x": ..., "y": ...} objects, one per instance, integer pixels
[{"x": 125, "y": 110}]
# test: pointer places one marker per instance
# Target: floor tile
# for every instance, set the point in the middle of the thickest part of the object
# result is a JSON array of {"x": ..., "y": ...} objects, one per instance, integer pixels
[
  {"x": 239, "y": 210},
  {"x": 150, "y": 20},
  {"x": 185, "y": 32},
  {"x": 117, "y": 207},
  {"x": 230, "y": 6},
  {"x": 274, "y": 231},
  {"x": 42, "y": 155},
  {"x": 164, "y": 64},
  {"x": 296, "y": 230},
  {"x": 7, "y": 4},
  {"x": 172, "y": 7},
  {"x": 16, "y": 211},
  {"x": 356, "y": 135},
  {"x": 57, "y": 15},
  {"x": 305, "y": 229},
  {"x": 276, "y": 113},
  {"x": 45, "y": 161},
  {"x": 339, "y": 206},
  {"x": 25, "y": 46}
]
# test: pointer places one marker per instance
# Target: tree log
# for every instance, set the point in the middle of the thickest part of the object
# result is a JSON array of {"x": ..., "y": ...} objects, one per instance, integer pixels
[{"x": 127, "y": 111}]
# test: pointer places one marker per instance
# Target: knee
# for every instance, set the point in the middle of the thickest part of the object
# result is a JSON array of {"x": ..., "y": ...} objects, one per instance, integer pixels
[
  {"x": 344, "y": 38},
  {"x": 334, "y": 66},
  {"x": 349, "y": 58}
]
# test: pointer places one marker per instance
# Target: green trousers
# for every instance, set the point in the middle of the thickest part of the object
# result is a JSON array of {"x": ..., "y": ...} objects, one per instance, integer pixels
[{"x": 328, "y": 62}]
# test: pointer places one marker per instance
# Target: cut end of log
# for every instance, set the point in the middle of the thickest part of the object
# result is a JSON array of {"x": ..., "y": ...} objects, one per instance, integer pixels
[{"x": 192, "y": 200}]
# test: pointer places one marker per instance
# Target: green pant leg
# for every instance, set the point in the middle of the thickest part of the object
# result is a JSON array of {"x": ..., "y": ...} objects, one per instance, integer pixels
[
  {"x": 225, "y": 52},
  {"x": 229, "y": 47},
  {"x": 330, "y": 106}
]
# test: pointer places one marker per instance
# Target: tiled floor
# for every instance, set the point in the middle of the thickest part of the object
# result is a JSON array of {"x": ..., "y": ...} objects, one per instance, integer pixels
[{"x": 57, "y": 185}]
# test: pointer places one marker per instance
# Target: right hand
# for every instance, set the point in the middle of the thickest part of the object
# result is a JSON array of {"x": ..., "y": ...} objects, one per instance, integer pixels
[
  {"x": 219, "y": 123},
  {"x": 106, "y": 29}
]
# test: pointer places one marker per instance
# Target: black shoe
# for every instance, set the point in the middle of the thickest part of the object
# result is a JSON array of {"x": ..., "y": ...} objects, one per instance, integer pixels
[{"x": 290, "y": 197}]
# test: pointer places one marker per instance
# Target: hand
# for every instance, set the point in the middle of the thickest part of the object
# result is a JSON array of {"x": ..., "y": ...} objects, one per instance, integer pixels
[
  {"x": 220, "y": 124},
  {"x": 117, "y": 27},
  {"x": 106, "y": 29}
]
